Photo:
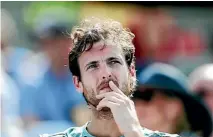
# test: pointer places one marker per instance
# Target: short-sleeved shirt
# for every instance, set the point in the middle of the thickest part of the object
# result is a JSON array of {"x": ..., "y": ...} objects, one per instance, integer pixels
[
  {"x": 53, "y": 98},
  {"x": 82, "y": 132}
]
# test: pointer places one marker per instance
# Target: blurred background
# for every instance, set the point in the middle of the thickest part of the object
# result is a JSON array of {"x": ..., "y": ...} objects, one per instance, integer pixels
[{"x": 38, "y": 95}]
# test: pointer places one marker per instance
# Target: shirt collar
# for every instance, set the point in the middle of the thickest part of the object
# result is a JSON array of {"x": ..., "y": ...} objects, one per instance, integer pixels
[{"x": 86, "y": 133}]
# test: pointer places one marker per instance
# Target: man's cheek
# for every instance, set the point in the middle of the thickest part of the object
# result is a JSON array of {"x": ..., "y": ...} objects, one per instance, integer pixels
[{"x": 121, "y": 78}]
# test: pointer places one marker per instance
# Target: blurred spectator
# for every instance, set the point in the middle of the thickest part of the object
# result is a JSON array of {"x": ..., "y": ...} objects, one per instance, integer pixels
[
  {"x": 158, "y": 38},
  {"x": 163, "y": 102},
  {"x": 48, "y": 90},
  {"x": 201, "y": 82},
  {"x": 11, "y": 124},
  {"x": 12, "y": 55}
]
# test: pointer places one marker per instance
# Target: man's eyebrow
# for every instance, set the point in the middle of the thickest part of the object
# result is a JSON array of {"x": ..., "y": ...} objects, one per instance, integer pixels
[
  {"x": 113, "y": 58},
  {"x": 90, "y": 63}
]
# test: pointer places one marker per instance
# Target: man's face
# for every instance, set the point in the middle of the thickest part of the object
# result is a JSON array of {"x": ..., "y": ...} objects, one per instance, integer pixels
[{"x": 98, "y": 66}]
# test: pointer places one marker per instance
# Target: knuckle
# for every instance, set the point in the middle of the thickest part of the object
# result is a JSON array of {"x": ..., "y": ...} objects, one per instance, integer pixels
[
  {"x": 128, "y": 101},
  {"x": 123, "y": 102},
  {"x": 131, "y": 102},
  {"x": 119, "y": 105}
]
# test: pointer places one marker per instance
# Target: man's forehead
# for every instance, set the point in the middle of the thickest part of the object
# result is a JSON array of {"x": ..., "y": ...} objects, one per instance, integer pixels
[
  {"x": 101, "y": 50},
  {"x": 106, "y": 46}
]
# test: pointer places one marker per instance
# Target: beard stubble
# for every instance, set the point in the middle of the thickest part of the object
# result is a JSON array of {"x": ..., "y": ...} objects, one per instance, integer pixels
[{"x": 105, "y": 113}]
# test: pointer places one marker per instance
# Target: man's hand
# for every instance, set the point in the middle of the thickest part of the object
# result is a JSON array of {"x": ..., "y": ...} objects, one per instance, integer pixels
[{"x": 123, "y": 110}]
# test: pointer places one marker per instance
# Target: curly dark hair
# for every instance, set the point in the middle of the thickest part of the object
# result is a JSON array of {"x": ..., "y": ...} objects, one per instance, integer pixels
[{"x": 94, "y": 30}]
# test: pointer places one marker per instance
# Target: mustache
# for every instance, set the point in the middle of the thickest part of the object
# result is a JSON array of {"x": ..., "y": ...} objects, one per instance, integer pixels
[{"x": 104, "y": 82}]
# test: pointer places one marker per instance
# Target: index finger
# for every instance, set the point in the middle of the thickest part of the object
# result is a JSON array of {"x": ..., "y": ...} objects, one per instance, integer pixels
[{"x": 114, "y": 87}]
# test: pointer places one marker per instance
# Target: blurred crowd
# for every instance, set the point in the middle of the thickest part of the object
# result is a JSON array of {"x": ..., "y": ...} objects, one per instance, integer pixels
[{"x": 173, "y": 95}]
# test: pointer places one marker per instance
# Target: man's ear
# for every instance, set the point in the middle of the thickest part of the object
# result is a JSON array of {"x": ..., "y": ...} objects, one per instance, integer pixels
[
  {"x": 78, "y": 84},
  {"x": 132, "y": 70}
]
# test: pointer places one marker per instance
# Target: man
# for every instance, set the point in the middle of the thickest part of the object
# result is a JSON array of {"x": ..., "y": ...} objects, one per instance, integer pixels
[
  {"x": 102, "y": 64},
  {"x": 163, "y": 102},
  {"x": 201, "y": 82}
]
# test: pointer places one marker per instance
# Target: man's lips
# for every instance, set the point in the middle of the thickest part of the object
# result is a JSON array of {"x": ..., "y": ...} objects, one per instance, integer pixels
[{"x": 106, "y": 85}]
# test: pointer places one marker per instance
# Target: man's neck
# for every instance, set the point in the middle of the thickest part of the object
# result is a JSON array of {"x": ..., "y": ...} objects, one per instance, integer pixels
[{"x": 103, "y": 128}]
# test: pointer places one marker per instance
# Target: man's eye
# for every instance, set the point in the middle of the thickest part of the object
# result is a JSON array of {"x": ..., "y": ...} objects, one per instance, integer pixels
[
  {"x": 114, "y": 62},
  {"x": 92, "y": 66}
]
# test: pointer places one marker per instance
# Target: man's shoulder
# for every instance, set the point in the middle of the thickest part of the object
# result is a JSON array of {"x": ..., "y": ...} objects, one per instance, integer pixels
[
  {"x": 70, "y": 132},
  {"x": 150, "y": 133}
]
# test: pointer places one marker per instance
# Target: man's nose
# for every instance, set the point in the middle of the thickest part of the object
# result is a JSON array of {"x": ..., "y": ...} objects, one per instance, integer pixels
[{"x": 105, "y": 72}]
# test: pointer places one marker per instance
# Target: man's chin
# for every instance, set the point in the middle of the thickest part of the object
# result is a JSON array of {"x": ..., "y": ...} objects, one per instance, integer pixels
[{"x": 105, "y": 109}]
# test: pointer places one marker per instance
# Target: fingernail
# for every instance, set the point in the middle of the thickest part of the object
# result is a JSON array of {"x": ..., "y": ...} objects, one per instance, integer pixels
[{"x": 110, "y": 82}]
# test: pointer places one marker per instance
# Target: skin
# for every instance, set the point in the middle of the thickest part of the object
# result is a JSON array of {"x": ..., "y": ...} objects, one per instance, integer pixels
[
  {"x": 161, "y": 113},
  {"x": 110, "y": 106}
]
